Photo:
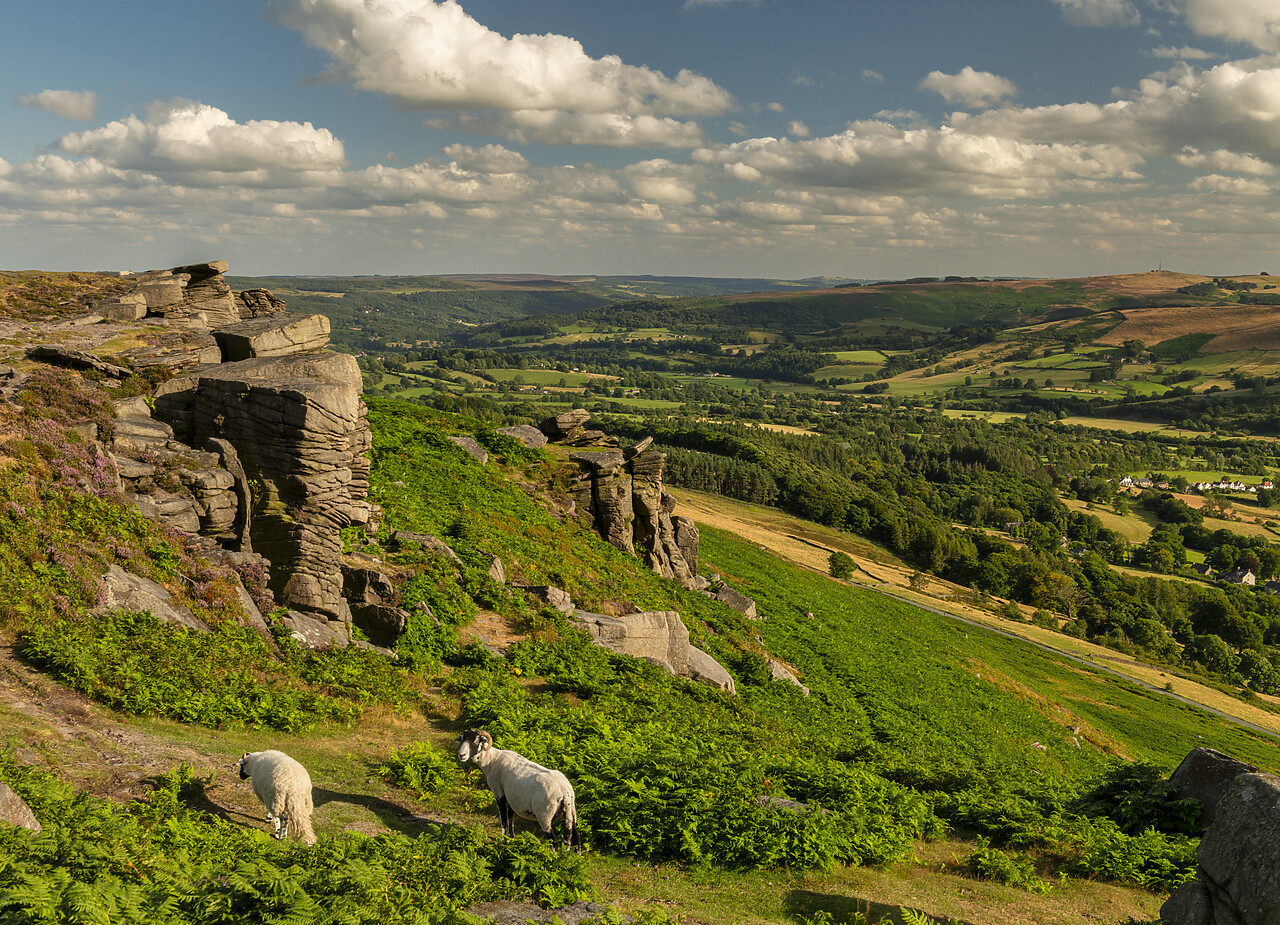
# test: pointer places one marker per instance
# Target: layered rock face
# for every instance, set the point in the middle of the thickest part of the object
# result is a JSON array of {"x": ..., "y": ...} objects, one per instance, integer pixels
[
  {"x": 620, "y": 493},
  {"x": 297, "y": 426}
]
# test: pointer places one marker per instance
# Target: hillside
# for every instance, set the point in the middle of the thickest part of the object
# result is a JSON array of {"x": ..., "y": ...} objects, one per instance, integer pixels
[{"x": 827, "y": 753}]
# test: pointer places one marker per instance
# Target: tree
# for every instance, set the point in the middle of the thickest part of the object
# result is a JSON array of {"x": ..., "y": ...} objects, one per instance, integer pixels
[{"x": 841, "y": 565}]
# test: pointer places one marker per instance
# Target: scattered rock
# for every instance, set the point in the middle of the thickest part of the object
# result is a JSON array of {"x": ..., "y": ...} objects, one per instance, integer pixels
[
  {"x": 704, "y": 668},
  {"x": 780, "y": 672},
  {"x": 382, "y": 623},
  {"x": 315, "y": 632},
  {"x": 553, "y": 597},
  {"x": 15, "y": 811},
  {"x": 254, "y": 303},
  {"x": 75, "y": 359},
  {"x": 426, "y": 541},
  {"x": 471, "y": 448},
  {"x": 121, "y": 590},
  {"x": 739, "y": 602},
  {"x": 496, "y": 571}
]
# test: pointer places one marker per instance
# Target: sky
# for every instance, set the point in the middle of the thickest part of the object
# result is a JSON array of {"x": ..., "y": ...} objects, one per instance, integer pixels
[{"x": 756, "y": 138}]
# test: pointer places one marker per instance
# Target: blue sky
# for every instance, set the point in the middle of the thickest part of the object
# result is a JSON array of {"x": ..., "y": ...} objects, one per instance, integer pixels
[{"x": 780, "y": 138}]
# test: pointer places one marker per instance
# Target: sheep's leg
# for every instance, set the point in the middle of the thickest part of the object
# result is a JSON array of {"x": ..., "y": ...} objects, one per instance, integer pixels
[
  {"x": 282, "y": 826},
  {"x": 506, "y": 818}
]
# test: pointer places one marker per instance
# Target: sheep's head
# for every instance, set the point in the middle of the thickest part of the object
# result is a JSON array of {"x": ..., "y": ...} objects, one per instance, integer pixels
[
  {"x": 243, "y": 766},
  {"x": 472, "y": 743}
]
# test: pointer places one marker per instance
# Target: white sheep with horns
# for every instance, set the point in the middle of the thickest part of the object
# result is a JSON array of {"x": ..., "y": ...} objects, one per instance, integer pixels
[
  {"x": 284, "y": 787},
  {"x": 522, "y": 788}
]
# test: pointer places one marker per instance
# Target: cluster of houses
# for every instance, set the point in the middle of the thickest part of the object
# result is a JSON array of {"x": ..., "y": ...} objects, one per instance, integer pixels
[
  {"x": 1221, "y": 485},
  {"x": 1239, "y": 576}
]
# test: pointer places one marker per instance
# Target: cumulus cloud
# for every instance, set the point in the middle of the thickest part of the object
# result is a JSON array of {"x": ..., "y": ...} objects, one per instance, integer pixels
[
  {"x": 490, "y": 158},
  {"x": 426, "y": 55},
  {"x": 189, "y": 137},
  {"x": 1250, "y": 22},
  {"x": 1223, "y": 160},
  {"x": 972, "y": 88},
  {"x": 70, "y": 104},
  {"x": 1233, "y": 106},
  {"x": 872, "y": 77},
  {"x": 1100, "y": 12},
  {"x": 876, "y": 156},
  {"x": 799, "y": 129},
  {"x": 1231, "y": 186}
]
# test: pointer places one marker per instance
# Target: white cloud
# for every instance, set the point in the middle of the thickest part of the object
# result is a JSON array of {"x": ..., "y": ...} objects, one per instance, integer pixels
[
  {"x": 692, "y": 4},
  {"x": 1185, "y": 53},
  {"x": 1251, "y": 22},
  {"x": 190, "y": 137},
  {"x": 607, "y": 129},
  {"x": 1231, "y": 186},
  {"x": 1233, "y": 106},
  {"x": 490, "y": 158},
  {"x": 799, "y": 129},
  {"x": 972, "y": 88},
  {"x": 1223, "y": 160},
  {"x": 875, "y": 156},
  {"x": 427, "y": 55},
  {"x": 70, "y": 104},
  {"x": 774, "y": 107},
  {"x": 663, "y": 181},
  {"x": 1099, "y": 12},
  {"x": 872, "y": 77}
]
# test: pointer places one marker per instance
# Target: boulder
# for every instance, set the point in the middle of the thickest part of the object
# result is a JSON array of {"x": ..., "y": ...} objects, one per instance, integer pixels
[
  {"x": 471, "y": 448},
  {"x": 366, "y": 586},
  {"x": 531, "y": 437},
  {"x": 704, "y": 668},
  {"x": 121, "y": 590},
  {"x": 176, "y": 350},
  {"x": 426, "y": 541},
  {"x": 564, "y": 424},
  {"x": 1204, "y": 776},
  {"x": 553, "y": 597},
  {"x": 495, "y": 570},
  {"x": 739, "y": 602},
  {"x": 687, "y": 541},
  {"x": 75, "y": 359},
  {"x": 1239, "y": 861},
  {"x": 659, "y": 636},
  {"x": 178, "y": 511},
  {"x": 278, "y": 334},
  {"x": 127, "y": 307},
  {"x": 15, "y": 811},
  {"x": 382, "y": 623},
  {"x": 316, "y": 632},
  {"x": 254, "y": 303},
  {"x": 780, "y": 672}
]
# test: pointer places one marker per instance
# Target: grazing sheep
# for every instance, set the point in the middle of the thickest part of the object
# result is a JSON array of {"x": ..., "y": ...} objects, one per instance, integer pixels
[
  {"x": 284, "y": 787},
  {"x": 523, "y": 788}
]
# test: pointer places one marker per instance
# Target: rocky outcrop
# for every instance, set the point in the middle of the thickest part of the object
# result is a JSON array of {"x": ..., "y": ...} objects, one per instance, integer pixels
[
  {"x": 1205, "y": 775},
  {"x": 15, "y": 811},
  {"x": 278, "y": 334},
  {"x": 298, "y": 428},
  {"x": 620, "y": 493},
  {"x": 1238, "y": 871},
  {"x": 780, "y": 672}
]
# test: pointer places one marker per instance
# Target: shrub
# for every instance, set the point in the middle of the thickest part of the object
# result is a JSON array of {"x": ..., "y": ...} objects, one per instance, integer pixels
[{"x": 841, "y": 565}]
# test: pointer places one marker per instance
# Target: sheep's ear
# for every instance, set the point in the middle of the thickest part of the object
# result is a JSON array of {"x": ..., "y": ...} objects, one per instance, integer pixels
[{"x": 484, "y": 739}]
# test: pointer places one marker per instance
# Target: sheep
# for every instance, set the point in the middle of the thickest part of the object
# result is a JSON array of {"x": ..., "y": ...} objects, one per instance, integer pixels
[
  {"x": 284, "y": 787},
  {"x": 523, "y": 788}
]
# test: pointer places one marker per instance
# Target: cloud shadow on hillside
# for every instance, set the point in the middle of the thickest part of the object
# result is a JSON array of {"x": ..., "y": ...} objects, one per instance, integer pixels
[{"x": 804, "y": 904}]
